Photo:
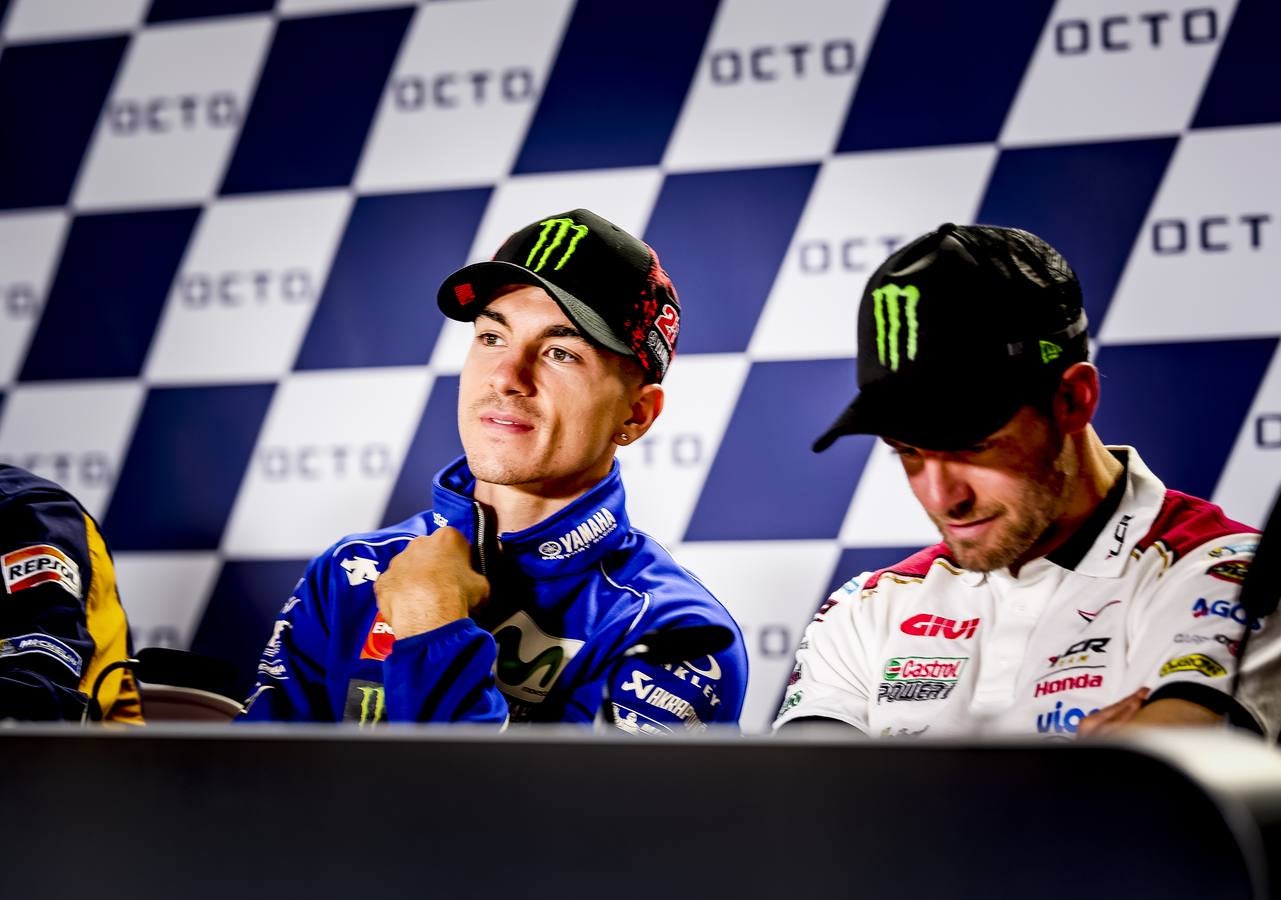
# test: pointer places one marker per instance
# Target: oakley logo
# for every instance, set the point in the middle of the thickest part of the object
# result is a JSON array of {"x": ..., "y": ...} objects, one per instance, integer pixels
[
  {"x": 891, "y": 305},
  {"x": 551, "y": 238}
]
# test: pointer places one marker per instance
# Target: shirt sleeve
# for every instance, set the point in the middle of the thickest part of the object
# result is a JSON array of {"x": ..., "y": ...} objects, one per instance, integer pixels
[
  {"x": 291, "y": 684},
  {"x": 444, "y": 675},
  {"x": 45, "y": 643},
  {"x": 1187, "y": 638},
  {"x": 656, "y": 699},
  {"x": 832, "y": 678}
]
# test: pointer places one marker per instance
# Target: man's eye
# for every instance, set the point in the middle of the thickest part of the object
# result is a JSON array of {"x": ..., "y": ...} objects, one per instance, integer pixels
[
  {"x": 487, "y": 338},
  {"x": 560, "y": 354}
]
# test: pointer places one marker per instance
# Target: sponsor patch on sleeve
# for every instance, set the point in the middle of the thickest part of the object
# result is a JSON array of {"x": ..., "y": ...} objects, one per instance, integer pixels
[
  {"x": 1194, "y": 662},
  {"x": 40, "y": 564},
  {"x": 22, "y": 644}
]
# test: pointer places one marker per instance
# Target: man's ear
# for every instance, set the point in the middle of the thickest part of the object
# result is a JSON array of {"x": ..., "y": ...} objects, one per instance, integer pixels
[
  {"x": 1077, "y": 397},
  {"x": 646, "y": 406}
]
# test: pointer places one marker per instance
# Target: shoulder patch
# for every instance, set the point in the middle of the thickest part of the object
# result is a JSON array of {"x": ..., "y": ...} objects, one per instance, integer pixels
[
  {"x": 1185, "y": 523},
  {"x": 915, "y": 566},
  {"x": 40, "y": 564}
]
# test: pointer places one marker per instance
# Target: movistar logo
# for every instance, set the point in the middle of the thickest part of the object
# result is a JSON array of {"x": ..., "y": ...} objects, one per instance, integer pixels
[
  {"x": 529, "y": 659},
  {"x": 1050, "y": 351},
  {"x": 551, "y": 238},
  {"x": 892, "y": 305},
  {"x": 514, "y": 670}
]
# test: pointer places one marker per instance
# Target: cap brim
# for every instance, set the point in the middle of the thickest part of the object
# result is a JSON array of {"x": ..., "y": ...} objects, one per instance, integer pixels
[
  {"x": 923, "y": 420},
  {"x": 485, "y": 278}
]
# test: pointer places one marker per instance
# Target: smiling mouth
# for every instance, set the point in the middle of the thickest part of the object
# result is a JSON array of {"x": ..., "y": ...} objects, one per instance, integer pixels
[
  {"x": 506, "y": 424},
  {"x": 963, "y": 528}
]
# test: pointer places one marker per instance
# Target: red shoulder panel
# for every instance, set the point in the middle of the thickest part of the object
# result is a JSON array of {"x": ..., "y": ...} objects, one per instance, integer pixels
[
  {"x": 1185, "y": 522},
  {"x": 914, "y": 566}
]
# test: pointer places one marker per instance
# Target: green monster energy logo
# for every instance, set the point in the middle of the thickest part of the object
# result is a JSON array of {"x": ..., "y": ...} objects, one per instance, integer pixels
[
  {"x": 514, "y": 670},
  {"x": 561, "y": 227},
  {"x": 373, "y": 703},
  {"x": 890, "y": 305}
]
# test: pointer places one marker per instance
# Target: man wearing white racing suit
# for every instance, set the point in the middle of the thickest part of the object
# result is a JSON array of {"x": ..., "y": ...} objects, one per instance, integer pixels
[
  {"x": 1072, "y": 593},
  {"x": 517, "y": 596}
]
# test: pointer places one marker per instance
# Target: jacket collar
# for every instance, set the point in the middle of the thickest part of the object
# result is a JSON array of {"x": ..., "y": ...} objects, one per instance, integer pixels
[{"x": 570, "y": 540}]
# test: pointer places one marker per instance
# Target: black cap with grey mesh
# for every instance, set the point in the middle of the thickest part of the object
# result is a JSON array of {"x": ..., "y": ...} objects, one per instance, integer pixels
[{"x": 958, "y": 330}]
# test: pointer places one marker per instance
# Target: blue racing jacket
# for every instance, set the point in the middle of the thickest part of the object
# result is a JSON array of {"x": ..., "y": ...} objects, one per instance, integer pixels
[{"x": 568, "y": 597}]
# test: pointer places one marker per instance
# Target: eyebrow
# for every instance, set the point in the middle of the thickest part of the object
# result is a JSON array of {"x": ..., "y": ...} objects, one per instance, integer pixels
[{"x": 551, "y": 331}]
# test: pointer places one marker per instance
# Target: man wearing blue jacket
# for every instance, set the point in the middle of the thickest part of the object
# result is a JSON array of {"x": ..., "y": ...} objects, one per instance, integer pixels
[{"x": 519, "y": 595}]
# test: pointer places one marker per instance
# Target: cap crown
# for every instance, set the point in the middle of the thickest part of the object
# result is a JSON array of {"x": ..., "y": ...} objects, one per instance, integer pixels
[
  {"x": 609, "y": 283},
  {"x": 968, "y": 301}
]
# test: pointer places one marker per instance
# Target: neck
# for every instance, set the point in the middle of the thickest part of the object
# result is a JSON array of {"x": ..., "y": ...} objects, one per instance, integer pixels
[
  {"x": 521, "y": 506},
  {"x": 1095, "y": 472}
]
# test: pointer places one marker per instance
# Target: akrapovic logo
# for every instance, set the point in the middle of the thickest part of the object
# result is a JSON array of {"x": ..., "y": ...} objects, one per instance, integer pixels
[
  {"x": 551, "y": 239},
  {"x": 894, "y": 309}
]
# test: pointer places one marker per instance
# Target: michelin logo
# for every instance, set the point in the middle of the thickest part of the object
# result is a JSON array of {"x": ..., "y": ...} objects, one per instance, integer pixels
[
  {"x": 582, "y": 536},
  {"x": 42, "y": 643}
]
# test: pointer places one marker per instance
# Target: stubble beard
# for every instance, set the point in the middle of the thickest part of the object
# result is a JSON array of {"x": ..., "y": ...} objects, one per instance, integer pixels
[
  {"x": 1027, "y": 520},
  {"x": 493, "y": 465}
]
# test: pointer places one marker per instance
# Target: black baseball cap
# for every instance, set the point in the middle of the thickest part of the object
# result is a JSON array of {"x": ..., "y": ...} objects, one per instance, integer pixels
[
  {"x": 609, "y": 284},
  {"x": 958, "y": 330}
]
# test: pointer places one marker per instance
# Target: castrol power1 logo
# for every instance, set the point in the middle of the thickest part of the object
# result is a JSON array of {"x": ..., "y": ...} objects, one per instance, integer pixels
[{"x": 916, "y": 668}]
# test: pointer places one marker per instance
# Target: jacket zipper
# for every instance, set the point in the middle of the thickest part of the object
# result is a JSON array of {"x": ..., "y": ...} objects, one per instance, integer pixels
[{"x": 482, "y": 532}]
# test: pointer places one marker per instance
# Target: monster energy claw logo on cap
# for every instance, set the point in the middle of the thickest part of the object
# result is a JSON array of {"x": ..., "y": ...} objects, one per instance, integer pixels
[
  {"x": 560, "y": 227},
  {"x": 891, "y": 305}
]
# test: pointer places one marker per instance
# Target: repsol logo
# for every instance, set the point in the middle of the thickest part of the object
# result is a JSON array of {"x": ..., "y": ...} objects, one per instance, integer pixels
[
  {"x": 314, "y": 462},
  {"x": 772, "y": 62},
  {"x": 203, "y": 290},
  {"x": 18, "y": 300},
  {"x": 861, "y": 253},
  {"x": 184, "y": 112},
  {"x": 1210, "y": 234},
  {"x": 72, "y": 469},
  {"x": 450, "y": 90},
  {"x": 1121, "y": 33},
  {"x": 1267, "y": 431}
]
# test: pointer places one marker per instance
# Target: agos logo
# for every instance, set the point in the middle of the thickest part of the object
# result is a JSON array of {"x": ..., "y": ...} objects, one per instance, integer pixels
[
  {"x": 926, "y": 625},
  {"x": 1224, "y": 609}
]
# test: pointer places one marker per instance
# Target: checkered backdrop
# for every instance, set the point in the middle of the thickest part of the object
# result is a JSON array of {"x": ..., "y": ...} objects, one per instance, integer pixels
[{"x": 222, "y": 223}]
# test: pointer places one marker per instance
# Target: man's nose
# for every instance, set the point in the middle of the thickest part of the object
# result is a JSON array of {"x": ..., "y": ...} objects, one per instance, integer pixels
[
  {"x": 943, "y": 489},
  {"x": 512, "y": 373}
]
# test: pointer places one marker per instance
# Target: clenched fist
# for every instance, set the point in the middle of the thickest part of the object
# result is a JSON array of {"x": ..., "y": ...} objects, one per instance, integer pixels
[{"x": 429, "y": 584}]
